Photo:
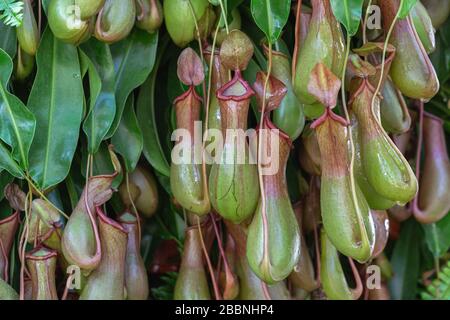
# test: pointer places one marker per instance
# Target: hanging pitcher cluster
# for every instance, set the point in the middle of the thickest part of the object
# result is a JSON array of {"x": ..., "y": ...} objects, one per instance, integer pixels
[{"x": 356, "y": 170}]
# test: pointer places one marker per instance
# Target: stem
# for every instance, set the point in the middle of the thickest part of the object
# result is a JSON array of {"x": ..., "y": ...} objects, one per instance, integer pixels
[
  {"x": 383, "y": 58},
  {"x": 220, "y": 245},
  {"x": 364, "y": 26},
  {"x": 205, "y": 94},
  {"x": 208, "y": 262},
  {"x": 136, "y": 213},
  {"x": 91, "y": 170},
  {"x": 224, "y": 16},
  {"x": 350, "y": 138},
  {"x": 260, "y": 175},
  {"x": 297, "y": 39},
  {"x": 357, "y": 292},
  {"x": 40, "y": 15},
  {"x": 36, "y": 232},
  {"x": 265, "y": 289},
  {"x": 344, "y": 71},
  {"x": 32, "y": 186},
  {"x": 208, "y": 96}
]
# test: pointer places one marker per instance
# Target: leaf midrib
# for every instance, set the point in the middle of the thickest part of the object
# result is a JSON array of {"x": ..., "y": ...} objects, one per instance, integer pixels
[
  {"x": 50, "y": 115},
  {"x": 347, "y": 15},
  {"x": 152, "y": 90},
  {"x": 122, "y": 65},
  {"x": 121, "y": 107},
  {"x": 16, "y": 131},
  {"x": 269, "y": 20}
]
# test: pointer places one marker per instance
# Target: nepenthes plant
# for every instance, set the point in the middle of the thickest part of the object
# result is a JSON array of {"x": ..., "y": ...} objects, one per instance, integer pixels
[{"x": 224, "y": 149}]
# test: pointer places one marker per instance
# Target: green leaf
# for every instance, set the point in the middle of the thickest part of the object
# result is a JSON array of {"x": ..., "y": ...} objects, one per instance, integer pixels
[
  {"x": 230, "y": 6},
  {"x": 95, "y": 86},
  {"x": 56, "y": 99},
  {"x": 271, "y": 16},
  {"x": 102, "y": 109},
  {"x": 73, "y": 189},
  {"x": 441, "y": 56},
  {"x": 145, "y": 109},
  {"x": 437, "y": 236},
  {"x": 405, "y": 261},
  {"x": 11, "y": 12},
  {"x": 405, "y": 7},
  {"x": 175, "y": 87},
  {"x": 128, "y": 139},
  {"x": 250, "y": 76},
  {"x": 134, "y": 58},
  {"x": 45, "y": 4},
  {"x": 348, "y": 12},
  {"x": 17, "y": 122},
  {"x": 8, "y": 163},
  {"x": 8, "y": 39}
]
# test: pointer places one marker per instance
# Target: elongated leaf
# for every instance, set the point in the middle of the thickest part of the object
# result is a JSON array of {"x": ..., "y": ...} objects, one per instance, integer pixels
[
  {"x": 8, "y": 39},
  {"x": 405, "y": 7},
  {"x": 102, "y": 105},
  {"x": 271, "y": 16},
  {"x": 406, "y": 261},
  {"x": 134, "y": 58},
  {"x": 8, "y": 163},
  {"x": 175, "y": 87},
  {"x": 56, "y": 99},
  {"x": 153, "y": 151},
  {"x": 348, "y": 12},
  {"x": 128, "y": 139},
  {"x": 146, "y": 115},
  {"x": 74, "y": 186},
  {"x": 437, "y": 236},
  {"x": 441, "y": 56},
  {"x": 17, "y": 123}
]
